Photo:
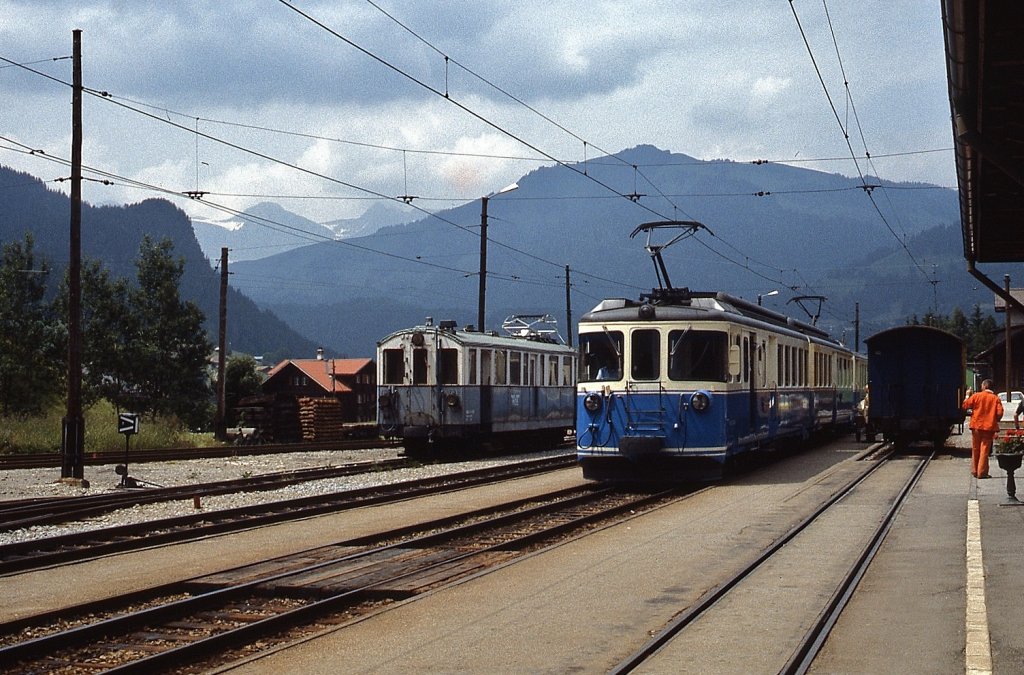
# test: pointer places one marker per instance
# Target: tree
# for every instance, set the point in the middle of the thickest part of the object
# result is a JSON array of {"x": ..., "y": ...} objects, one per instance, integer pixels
[
  {"x": 241, "y": 379},
  {"x": 976, "y": 332},
  {"x": 110, "y": 334},
  {"x": 30, "y": 374},
  {"x": 172, "y": 350}
]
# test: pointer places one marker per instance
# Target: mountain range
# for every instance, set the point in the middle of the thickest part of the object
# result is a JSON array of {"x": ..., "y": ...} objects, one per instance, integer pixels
[
  {"x": 112, "y": 234},
  {"x": 888, "y": 250},
  {"x": 268, "y": 228}
]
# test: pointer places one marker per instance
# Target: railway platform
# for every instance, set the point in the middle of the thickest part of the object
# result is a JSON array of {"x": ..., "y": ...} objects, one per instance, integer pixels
[{"x": 941, "y": 597}]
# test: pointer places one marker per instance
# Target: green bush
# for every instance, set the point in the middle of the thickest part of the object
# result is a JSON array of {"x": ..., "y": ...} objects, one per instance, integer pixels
[{"x": 40, "y": 434}]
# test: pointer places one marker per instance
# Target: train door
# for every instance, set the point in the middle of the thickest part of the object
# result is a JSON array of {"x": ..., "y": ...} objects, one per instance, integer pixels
[
  {"x": 749, "y": 372},
  {"x": 486, "y": 389}
]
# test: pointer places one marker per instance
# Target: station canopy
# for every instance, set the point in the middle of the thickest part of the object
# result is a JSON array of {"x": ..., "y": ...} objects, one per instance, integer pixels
[{"x": 985, "y": 68}]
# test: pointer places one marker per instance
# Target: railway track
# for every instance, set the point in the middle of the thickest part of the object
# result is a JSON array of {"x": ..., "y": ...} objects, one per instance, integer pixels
[
  {"x": 210, "y": 620},
  {"x": 53, "y": 459},
  {"x": 21, "y": 513},
  {"x": 672, "y": 639},
  {"x": 85, "y": 545}
]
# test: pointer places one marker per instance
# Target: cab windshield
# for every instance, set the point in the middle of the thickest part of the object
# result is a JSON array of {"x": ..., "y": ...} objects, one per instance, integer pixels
[
  {"x": 701, "y": 355},
  {"x": 600, "y": 356}
]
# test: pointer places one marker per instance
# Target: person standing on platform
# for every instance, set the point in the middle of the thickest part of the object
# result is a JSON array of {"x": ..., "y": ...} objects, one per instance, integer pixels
[{"x": 986, "y": 411}]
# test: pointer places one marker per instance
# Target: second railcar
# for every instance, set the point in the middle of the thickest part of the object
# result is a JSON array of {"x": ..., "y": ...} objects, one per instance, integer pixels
[
  {"x": 443, "y": 389},
  {"x": 916, "y": 380}
]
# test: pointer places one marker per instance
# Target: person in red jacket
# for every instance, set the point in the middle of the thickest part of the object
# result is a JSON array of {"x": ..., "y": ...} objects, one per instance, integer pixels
[{"x": 986, "y": 411}]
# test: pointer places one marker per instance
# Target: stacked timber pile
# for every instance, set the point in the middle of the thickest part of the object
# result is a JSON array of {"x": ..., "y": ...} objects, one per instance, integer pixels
[
  {"x": 321, "y": 419},
  {"x": 256, "y": 412}
]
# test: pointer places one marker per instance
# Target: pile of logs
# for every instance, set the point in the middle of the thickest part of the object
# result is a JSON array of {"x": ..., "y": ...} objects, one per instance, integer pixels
[{"x": 321, "y": 419}]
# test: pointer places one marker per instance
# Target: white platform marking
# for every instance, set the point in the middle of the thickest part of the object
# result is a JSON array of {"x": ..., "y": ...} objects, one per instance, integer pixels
[{"x": 978, "y": 651}]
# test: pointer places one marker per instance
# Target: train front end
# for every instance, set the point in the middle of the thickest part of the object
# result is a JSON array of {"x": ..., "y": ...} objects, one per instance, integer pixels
[{"x": 659, "y": 397}]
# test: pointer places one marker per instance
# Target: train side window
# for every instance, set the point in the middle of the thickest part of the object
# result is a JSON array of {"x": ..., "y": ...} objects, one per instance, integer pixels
[
  {"x": 472, "y": 366},
  {"x": 552, "y": 380},
  {"x": 448, "y": 365},
  {"x": 566, "y": 371},
  {"x": 419, "y": 366},
  {"x": 645, "y": 354},
  {"x": 531, "y": 370},
  {"x": 486, "y": 374},
  {"x": 515, "y": 368},
  {"x": 394, "y": 366},
  {"x": 698, "y": 355},
  {"x": 500, "y": 366}
]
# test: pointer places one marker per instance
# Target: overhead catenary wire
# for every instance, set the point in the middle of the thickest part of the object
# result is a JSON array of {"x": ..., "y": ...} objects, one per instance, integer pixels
[
  {"x": 593, "y": 161},
  {"x": 846, "y": 134}
]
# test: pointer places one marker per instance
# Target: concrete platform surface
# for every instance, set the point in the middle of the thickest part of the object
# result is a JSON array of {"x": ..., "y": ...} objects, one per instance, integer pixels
[{"x": 585, "y": 605}]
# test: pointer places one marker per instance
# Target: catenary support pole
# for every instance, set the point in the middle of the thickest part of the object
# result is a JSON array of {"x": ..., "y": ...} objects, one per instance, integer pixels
[
  {"x": 220, "y": 427},
  {"x": 72, "y": 441}
]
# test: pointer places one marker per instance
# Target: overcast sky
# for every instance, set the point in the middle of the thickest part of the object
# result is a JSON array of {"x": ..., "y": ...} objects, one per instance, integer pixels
[{"x": 362, "y": 97}]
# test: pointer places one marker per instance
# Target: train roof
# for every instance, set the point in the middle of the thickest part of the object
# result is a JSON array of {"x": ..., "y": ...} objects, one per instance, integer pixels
[
  {"x": 543, "y": 341},
  {"x": 682, "y": 304}
]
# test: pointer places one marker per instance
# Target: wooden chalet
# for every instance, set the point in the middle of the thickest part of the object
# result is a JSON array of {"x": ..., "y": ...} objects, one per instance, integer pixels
[{"x": 318, "y": 399}]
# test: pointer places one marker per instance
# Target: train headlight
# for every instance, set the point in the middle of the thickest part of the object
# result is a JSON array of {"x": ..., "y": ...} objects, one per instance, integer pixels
[
  {"x": 452, "y": 400},
  {"x": 592, "y": 402},
  {"x": 700, "y": 401}
]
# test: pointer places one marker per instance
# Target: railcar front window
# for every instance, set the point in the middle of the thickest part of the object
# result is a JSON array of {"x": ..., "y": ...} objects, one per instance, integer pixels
[
  {"x": 645, "y": 354},
  {"x": 698, "y": 355},
  {"x": 394, "y": 366},
  {"x": 419, "y": 366},
  {"x": 600, "y": 356},
  {"x": 448, "y": 366}
]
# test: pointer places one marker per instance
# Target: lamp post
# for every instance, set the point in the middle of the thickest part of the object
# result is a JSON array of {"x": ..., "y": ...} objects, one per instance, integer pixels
[
  {"x": 765, "y": 295},
  {"x": 482, "y": 294}
]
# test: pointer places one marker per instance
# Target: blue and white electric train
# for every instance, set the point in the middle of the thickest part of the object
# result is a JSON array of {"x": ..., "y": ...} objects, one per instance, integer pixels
[{"x": 683, "y": 385}]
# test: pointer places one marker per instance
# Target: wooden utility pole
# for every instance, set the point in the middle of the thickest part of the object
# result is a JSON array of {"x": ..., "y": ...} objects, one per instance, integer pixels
[
  {"x": 482, "y": 292},
  {"x": 568, "y": 309},
  {"x": 856, "y": 328},
  {"x": 72, "y": 440},
  {"x": 220, "y": 425}
]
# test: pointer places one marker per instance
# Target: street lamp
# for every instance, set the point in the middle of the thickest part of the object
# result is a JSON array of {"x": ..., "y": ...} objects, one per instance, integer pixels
[
  {"x": 481, "y": 299},
  {"x": 765, "y": 295}
]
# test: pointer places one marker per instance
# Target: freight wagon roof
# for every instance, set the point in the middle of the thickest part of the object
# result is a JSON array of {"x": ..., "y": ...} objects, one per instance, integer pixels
[
  {"x": 912, "y": 332},
  {"x": 683, "y": 305}
]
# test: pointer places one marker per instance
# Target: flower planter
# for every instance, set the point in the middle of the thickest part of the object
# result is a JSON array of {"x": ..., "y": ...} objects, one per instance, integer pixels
[{"x": 1009, "y": 462}]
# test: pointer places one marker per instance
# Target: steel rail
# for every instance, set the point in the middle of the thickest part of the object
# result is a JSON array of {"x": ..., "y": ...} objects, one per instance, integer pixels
[
  {"x": 124, "y": 626},
  {"x": 18, "y": 514},
  {"x": 686, "y": 618},
  {"x": 48, "y": 460},
  {"x": 814, "y": 639},
  {"x": 37, "y": 553}
]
